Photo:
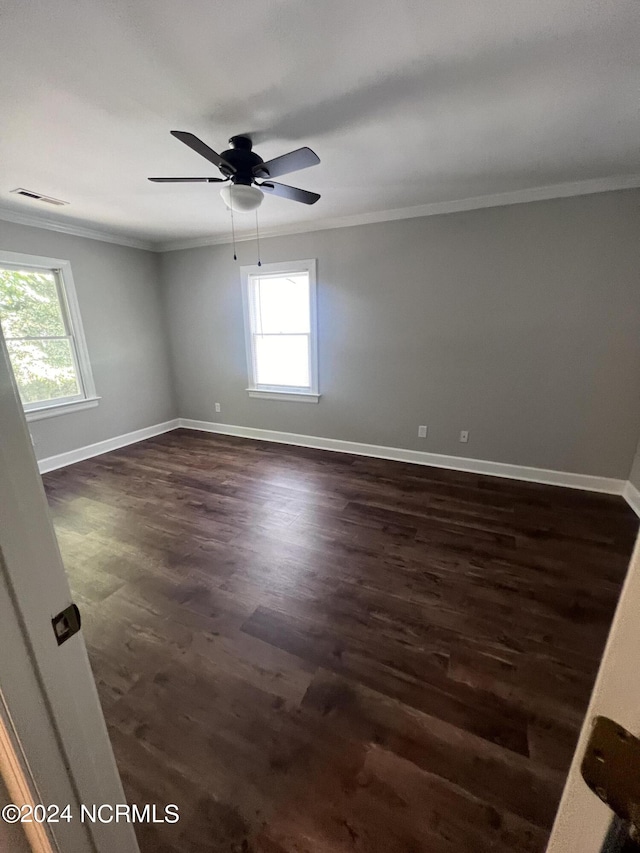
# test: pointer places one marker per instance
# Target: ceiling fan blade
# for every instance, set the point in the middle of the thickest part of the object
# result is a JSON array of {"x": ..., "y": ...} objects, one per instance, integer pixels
[
  {"x": 286, "y": 191},
  {"x": 301, "y": 158},
  {"x": 203, "y": 149},
  {"x": 188, "y": 180}
]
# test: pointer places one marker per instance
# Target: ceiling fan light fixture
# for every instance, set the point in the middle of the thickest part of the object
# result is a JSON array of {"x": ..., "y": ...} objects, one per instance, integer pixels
[{"x": 241, "y": 198}]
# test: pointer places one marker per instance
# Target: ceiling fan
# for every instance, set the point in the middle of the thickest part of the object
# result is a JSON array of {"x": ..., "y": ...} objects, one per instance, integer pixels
[{"x": 241, "y": 166}]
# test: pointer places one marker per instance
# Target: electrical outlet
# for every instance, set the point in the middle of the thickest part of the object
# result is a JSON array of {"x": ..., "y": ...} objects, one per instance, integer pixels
[
  {"x": 218, "y": 407},
  {"x": 464, "y": 436},
  {"x": 422, "y": 432}
]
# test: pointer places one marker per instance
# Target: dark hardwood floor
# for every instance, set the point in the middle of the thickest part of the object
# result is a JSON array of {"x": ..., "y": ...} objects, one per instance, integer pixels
[{"x": 312, "y": 652}]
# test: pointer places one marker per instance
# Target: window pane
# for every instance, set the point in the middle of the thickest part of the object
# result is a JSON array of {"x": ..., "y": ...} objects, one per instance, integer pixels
[
  {"x": 282, "y": 360},
  {"x": 281, "y": 304},
  {"x": 29, "y": 305},
  {"x": 44, "y": 370}
]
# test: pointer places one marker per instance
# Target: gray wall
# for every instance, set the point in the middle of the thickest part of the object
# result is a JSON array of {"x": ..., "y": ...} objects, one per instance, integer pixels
[
  {"x": 634, "y": 474},
  {"x": 117, "y": 290},
  {"x": 520, "y": 324}
]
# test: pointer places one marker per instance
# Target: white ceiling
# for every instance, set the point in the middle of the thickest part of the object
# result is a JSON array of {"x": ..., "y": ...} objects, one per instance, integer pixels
[{"x": 407, "y": 102}]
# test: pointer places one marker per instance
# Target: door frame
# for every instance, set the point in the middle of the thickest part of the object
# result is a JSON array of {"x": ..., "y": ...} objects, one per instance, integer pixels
[
  {"x": 583, "y": 820},
  {"x": 48, "y": 690}
]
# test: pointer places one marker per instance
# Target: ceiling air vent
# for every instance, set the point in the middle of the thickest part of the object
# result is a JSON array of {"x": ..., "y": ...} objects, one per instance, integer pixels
[{"x": 38, "y": 196}]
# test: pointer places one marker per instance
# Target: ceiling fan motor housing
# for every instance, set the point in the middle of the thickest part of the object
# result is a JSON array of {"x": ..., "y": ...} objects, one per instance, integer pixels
[{"x": 243, "y": 160}]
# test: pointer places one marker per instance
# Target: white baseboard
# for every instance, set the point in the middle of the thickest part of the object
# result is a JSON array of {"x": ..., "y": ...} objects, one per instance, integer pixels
[
  {"x": 632, "y": 497},
  {"x": 437, "y": 460},
  {"x": 585, "y": 482},
  {"x": 51, "y": 463}
]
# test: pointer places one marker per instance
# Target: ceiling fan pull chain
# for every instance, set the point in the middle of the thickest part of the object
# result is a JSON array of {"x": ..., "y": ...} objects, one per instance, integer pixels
[
  {"x": 233, "y": 236},
  {"x": 258, "y": 239}
]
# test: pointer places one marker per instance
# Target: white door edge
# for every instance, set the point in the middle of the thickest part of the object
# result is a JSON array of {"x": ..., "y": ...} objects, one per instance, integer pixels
[
  {"x": 49, "y": 689},
  {"x": 582, "y": 820}
]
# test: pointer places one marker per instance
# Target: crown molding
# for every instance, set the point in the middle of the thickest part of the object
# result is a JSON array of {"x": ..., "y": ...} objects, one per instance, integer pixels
[
  {"x": 90, "y": 232},
  {"x": 566, "y": 190}
]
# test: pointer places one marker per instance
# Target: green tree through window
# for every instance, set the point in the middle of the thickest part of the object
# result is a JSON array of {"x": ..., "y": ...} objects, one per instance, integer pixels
[{"x": 38, "y": 339}]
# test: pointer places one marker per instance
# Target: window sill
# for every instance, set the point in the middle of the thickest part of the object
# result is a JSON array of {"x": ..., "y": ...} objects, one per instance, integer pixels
[
  {"x": 61, "y": 409},
  {"x": 293, "y": 396}
]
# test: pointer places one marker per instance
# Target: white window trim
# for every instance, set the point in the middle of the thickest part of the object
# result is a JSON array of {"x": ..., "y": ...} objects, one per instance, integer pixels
[
  {"x": 294, "y": 396},
  {"x": 282, "y": 392},
  {"x": 61, "y": 409},
  {"x": 71, "y": 309}
]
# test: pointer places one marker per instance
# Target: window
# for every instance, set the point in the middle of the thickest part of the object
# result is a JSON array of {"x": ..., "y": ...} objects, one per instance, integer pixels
[
  {"x": 43, "y": 333},
  {"x": 280, "y": 330}
]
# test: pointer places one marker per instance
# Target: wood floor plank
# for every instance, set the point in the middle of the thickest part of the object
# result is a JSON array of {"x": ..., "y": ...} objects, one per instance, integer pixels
[
  {"x": 401, "y": 673},
  {"x": 310, "y": 651},
  {"x": 499, "y": 776}
]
